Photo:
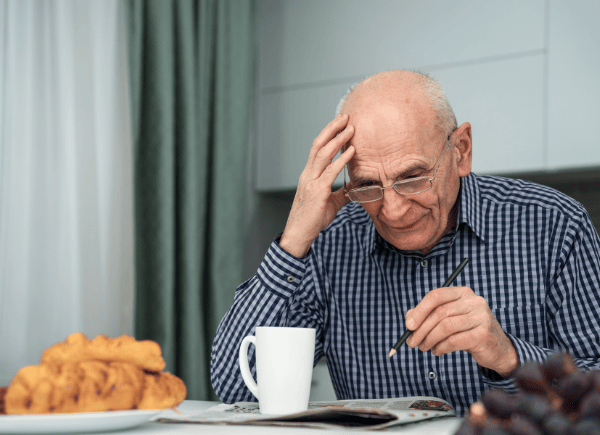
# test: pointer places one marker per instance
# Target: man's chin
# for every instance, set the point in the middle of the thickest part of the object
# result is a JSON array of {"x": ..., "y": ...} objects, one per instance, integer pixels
[
  {"x": 411, "y": 230},
  {"x": 407, "y": 241}
]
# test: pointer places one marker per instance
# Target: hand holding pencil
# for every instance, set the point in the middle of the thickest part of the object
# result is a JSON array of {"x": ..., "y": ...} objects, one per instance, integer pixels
[
  {"x": 448, "y": 282},
  {"x": 449, "y": 319}
]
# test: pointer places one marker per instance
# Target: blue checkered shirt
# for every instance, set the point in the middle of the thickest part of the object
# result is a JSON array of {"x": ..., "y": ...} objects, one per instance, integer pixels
[{"x": 534, "y": 256}]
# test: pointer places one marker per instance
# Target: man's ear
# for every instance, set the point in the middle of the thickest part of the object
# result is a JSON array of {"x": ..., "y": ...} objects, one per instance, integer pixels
[{"x": 463, "y": 145}]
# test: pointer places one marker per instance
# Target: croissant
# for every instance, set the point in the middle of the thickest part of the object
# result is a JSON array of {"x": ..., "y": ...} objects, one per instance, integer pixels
[
  {"x": 77, "y": 347},
  {"x": 104, "y": 374}
]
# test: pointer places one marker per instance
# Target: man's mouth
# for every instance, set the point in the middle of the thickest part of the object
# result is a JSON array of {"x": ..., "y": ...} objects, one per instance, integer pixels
[{"x": 406, "y": 227}]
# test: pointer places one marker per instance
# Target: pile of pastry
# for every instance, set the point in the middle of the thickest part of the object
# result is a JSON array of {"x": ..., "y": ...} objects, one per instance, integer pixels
[
  {"x": 555, "y": 397},
  {"x": 103, "y": 374}
]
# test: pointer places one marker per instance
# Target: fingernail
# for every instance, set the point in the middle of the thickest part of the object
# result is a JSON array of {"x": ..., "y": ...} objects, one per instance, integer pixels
[{"x": 410, "y": 323}]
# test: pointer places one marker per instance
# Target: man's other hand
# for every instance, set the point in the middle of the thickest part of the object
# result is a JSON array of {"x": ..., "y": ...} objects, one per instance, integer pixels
[
  {"x": 455, "y": 318},
  {"x": 315, "y": 205}
]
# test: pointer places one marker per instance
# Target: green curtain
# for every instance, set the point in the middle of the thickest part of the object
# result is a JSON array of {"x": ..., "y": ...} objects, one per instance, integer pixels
[{"x": 191, "y": 75}]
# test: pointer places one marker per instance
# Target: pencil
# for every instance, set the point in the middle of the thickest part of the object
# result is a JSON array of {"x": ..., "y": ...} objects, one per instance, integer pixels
[{"x": 449, "y": 281}]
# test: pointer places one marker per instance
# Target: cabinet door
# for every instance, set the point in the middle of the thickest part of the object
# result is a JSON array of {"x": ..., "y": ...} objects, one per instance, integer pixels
[
  {"x": 290, "y": 121},
  {"x": 312, "y": 42},
  {"x": 574, "y": 85},
  {"x": 489, "y": 59},
  {"x": 504, "y": 102}
]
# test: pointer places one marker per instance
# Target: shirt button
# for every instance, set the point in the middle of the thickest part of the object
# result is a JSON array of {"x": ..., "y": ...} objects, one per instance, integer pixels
[
  {"x": 290, "y": 278},
  {"x": 432, "y": 375},
  {"x": 424, "y": 263}
]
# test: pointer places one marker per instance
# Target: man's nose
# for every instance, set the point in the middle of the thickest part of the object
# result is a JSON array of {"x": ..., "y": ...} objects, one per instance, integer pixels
[{"x": 394, "y": 205}]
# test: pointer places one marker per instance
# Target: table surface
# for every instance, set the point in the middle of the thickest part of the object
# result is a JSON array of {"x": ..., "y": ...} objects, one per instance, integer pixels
[{"x": 440, "y": 426}]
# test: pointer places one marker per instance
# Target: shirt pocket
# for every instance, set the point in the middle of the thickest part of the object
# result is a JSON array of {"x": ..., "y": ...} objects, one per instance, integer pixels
[{"x": 526, "y": 322}]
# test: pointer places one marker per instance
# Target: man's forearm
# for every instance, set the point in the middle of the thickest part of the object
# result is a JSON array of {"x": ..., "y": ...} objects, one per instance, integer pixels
[{"x": 297, "y": 248}]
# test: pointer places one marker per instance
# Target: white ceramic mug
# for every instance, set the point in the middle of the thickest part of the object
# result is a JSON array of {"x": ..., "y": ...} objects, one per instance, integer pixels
[{"x": 284, "y": 363}]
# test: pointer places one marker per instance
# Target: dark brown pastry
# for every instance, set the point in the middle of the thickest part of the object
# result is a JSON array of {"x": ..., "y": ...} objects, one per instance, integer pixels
[{"x": 2, "y": 394}]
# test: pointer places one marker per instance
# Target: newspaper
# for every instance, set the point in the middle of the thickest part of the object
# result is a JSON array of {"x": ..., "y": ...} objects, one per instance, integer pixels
[{"x": 368, "y": 414}]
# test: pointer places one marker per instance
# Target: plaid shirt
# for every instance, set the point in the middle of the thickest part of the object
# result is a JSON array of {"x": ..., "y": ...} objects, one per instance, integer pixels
[{"x": 534, "y": 256}]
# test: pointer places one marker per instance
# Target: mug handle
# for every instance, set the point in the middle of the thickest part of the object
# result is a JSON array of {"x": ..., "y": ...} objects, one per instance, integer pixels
[{"x": 244, "y": 366}]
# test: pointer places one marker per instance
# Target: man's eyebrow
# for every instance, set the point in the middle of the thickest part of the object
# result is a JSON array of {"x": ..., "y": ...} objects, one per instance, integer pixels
[
  {"x": 360, "y": 180},
  {"x": 417, "y": 167}
]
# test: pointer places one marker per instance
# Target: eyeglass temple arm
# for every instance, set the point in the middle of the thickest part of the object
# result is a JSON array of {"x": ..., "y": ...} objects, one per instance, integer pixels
[
  {"x": 345, "y": 188},
  {"x": 443, "y": 151}
]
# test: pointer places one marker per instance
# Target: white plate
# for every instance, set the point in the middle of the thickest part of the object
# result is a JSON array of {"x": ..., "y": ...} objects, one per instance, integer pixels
[{"x": 80, "y": 422}]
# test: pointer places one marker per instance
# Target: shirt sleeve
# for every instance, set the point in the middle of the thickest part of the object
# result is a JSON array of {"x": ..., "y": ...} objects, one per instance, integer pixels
[
  {"x": 572, "y": 304},
  {"x": 279, "y": 294}
]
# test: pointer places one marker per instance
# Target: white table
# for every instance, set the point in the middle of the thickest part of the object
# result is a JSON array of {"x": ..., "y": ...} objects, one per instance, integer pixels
[{"x": 446, "y": 426}]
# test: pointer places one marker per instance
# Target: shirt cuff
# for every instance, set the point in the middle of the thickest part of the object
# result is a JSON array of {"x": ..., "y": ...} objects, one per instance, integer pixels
[
  {"x": 493, "y": 380},
  {"x": 525, "y": 352},
  {"x": 280, "y": 271}
]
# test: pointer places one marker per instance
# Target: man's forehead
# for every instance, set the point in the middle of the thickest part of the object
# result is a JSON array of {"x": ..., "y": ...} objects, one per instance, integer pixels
[
  {"x": 377, "y": 140},
  {"x": 394, "y": 130},
  {"x": 394, "y": 165},
  {"x": 376, "y": 121},
  {"x": 412, "y": 154}
]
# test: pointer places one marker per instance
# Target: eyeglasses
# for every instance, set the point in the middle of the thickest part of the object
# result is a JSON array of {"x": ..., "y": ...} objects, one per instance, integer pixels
[{"x": 405, "y": 187}]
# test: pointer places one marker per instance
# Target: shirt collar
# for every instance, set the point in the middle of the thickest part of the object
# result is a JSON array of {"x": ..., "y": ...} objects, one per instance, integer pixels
[
  {"x": 469, "y": 213},
  {"x": 371, "y": 237}
]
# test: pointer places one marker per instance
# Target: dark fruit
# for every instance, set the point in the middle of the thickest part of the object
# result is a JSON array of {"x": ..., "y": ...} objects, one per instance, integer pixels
[
  {"x": 491, "y": 428},
  {"x": 590, "y": 406},
  {"x": 572, "y": 389},
  {"x": 595, "y": 379},
  {"x": 586, "y": 427},
  {"x": 530, "y": 379},
  {"x": 554, "y": 398},
  {"x": 467, "y": 428},
  {"x": 558, "y": 366},
  {"x": 556, "y": 424},
  {"x": 534, "y": 407},
  {"x": 500, "y": 403},
  {"x": 520, "y": 425}
]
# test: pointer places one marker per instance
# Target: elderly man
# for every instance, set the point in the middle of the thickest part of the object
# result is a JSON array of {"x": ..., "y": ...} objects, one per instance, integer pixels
[{"x": 361, "y": 272}]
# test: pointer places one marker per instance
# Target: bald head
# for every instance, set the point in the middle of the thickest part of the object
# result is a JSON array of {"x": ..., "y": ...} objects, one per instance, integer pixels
[
  {"x": 402, "y": 88},
  {"x": 400, "y": 123}
]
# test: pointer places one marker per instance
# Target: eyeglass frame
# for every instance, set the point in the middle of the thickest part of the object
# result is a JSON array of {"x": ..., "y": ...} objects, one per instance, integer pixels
[{"x": 381, "y": 189}]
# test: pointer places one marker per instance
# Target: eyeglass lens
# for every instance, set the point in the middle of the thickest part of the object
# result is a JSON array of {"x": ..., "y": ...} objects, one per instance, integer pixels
[{"x": 373, "y": 193}]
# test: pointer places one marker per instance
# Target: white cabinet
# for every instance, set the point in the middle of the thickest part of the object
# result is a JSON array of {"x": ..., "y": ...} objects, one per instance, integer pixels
[
  {"x": 503, "y": 101},
  {"x": 314, "y": 42},
  {"x": 574, "y": 84},
  {"x": 289, "y": 122},
  {"x": 490, "y": 56}
]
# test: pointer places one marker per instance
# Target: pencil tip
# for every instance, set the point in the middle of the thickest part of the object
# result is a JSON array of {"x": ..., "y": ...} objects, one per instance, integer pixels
[{"x": 392, "y": 353}]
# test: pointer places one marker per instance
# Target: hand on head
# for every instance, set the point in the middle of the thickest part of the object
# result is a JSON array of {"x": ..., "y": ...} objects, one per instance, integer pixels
[{"x": 315, "y": 205}]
